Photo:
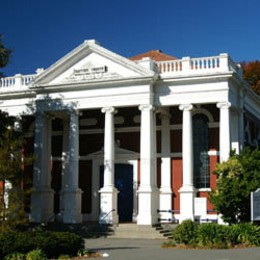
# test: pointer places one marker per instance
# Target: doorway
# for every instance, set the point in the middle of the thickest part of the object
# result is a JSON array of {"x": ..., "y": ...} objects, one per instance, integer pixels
[{"x": 124, "y": 184}]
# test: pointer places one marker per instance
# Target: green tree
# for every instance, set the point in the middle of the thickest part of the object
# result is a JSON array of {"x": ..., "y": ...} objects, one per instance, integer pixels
[
  {"x": 12, "y": 163},
  {"x": 12, "y": 177},
  {"x": 237, "y": 177},
  {"x": 4, "y": 55}
]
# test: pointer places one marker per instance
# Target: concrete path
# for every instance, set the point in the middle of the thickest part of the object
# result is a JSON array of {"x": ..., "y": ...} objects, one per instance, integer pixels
[{"x": 136, "y": 249}]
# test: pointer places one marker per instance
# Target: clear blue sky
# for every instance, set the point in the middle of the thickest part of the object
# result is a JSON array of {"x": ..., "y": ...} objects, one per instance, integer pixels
[{"x": 42, "y": 31}]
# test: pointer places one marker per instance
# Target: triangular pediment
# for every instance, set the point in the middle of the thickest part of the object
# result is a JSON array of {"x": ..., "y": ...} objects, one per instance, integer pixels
[{"x": 89, "y": 63}]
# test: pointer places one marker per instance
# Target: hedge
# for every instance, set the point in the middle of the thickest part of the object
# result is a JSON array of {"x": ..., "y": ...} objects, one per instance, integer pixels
[
  {"x": 51, "y": 243},
  {"x": 215, "y": 235}
]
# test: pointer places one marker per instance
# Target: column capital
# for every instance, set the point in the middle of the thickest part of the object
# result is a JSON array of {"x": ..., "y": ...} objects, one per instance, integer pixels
[
  {"x": 146, "y": 107},
  {"x": 186, "y": 107},
  {"x": 224, "y": 105},
  {"x": 110, "y": 110}
]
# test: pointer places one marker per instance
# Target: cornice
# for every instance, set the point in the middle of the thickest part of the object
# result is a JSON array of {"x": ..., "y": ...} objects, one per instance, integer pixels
[{"x": 99, "y": 83}]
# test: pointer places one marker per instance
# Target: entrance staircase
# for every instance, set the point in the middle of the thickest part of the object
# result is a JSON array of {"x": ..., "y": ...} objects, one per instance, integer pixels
[
  {"x": 124, "y": 230},
  {"x": 132, "y": 230}
]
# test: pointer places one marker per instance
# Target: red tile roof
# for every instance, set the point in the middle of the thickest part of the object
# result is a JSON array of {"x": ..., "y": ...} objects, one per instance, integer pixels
[{"x": 156, "y": 55}]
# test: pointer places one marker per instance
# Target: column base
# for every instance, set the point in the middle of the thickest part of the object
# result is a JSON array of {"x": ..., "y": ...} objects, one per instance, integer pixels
[
  {"x": 148, "y": 204},
  {"x": 108, "y": 206},
  {"x": 42, "y": 204},
  {"x": 165, "y": 205},
  {"x": 72, "y": 206},
  {"x": 187, "y": 195}
]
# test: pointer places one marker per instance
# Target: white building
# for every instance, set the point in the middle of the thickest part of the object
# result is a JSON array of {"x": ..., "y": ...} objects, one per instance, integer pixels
[{"x": 130, "y": 140}]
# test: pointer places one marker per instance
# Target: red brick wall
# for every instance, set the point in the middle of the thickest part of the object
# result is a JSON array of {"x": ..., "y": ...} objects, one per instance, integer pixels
[{"x": 176, "y": 181}]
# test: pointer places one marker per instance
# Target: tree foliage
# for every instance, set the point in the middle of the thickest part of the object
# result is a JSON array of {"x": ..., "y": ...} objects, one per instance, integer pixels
[
  {"x": 237, "y": 177},
  {"x": 12, "y": 177},
  {"x": 251, "y": 73},
  {"x": 4, "y": 54}
]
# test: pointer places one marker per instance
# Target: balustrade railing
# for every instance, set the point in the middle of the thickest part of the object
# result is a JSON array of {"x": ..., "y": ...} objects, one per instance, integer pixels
[
  {"x": 187, "y": 65},
  {"x": 16, "y": 81}
]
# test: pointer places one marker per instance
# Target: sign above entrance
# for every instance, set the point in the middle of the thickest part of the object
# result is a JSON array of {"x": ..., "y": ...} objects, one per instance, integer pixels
[
  {"x": 92, "y": 73},
  {"x": 92, "y": 70},
  {"x": 88, "y": 73}
]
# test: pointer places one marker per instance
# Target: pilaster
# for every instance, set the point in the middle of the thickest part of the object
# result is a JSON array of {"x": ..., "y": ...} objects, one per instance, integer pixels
[
  {"x": 235, "y": 130},
  {"x": 224, "y": 133}
]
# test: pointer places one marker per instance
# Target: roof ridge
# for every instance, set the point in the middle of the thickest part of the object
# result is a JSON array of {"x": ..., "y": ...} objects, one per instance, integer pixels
[{"x": 156, "y": 55}]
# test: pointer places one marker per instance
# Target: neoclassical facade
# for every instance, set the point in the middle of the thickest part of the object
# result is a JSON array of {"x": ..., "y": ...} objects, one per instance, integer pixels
[{"x": 130, "y": 140}]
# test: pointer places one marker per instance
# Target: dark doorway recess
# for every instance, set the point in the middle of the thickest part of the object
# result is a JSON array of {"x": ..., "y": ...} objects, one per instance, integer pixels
[{"x": 124, "y": 184}]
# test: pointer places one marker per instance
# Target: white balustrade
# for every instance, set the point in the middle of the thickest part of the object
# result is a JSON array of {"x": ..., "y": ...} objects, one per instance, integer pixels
[
  {"x": 205, "y": 63},
  {"x": 193, "y": 66},
  {"x": 16, "y": 81},
  {"x": 169, "y": 66}
]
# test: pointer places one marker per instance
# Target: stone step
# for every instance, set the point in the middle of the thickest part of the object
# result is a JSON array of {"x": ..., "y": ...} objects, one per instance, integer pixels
[{"x": 139, "y": 231}]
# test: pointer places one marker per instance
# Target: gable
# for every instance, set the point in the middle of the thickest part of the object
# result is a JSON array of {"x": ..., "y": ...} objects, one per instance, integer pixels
[{"x": 90, "y": 62}]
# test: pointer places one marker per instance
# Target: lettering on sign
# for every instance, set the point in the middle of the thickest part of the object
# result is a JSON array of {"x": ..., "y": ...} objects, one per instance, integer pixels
[
  {"x": 88, "y": 73},
  {"x": 101, "y": 69}
]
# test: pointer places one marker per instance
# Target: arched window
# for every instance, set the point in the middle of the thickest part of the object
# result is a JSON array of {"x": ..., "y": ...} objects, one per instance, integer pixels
[{"x": 200, "y": 151}]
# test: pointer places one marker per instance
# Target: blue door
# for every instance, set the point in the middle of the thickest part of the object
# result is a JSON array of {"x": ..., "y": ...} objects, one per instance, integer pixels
[{"x": 124, "y": 184}]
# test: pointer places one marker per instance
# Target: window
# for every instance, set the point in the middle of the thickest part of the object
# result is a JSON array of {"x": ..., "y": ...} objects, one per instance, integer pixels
[{"x": 200, "y": 151}]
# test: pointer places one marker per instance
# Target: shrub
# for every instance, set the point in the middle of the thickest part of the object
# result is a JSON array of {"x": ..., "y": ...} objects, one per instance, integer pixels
[
  {"x": 64, "y": 257},
  {"x": 83, "y": 252},
  {"x": 244, "y": 233},
  {"x": 15, "y": 256},
  {"x": 51, "y": 243},
  {"x": 186, "y": 233},
  {"x": 216, "y": 236},
  {"x": 36, "y": 254},
  {"x": 213, "y": 235},
  {"x": 168, "y": 244}
]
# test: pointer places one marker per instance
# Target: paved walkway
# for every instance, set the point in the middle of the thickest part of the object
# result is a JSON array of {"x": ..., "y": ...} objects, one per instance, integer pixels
[{"x": 136, "y": 249}]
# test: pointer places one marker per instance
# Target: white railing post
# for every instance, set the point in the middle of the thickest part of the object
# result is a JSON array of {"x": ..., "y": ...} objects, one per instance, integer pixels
[
  {"x": 18, "y": 80},
  {"x": 223, "y": 62},
  {"x": 186, "y": 64}
]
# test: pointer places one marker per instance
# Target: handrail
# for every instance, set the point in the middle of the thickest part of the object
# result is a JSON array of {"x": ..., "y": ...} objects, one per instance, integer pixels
[
  {"x": 101, "y": 219},
  {"x": 168, "y": 211},
  {"x": 169, "y": 220}
]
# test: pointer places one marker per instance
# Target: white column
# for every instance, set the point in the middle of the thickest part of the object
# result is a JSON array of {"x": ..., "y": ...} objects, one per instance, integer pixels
[
  {"x": 235, "y": 131},
  {"x": 148, "y": 194},
  {"x": 42, "y": 199},
  {"x": 224, "y": 131},
  {"x": 241, "y": 119},
  {"x": 108, "y": 197},
  {"x": 72, "y": 193},
  {"x": 187, "y": 191},
  {"x": 65, "y": 162},
  {"x": 241, "y": 129},
  {"x": 166, "y": 188}
]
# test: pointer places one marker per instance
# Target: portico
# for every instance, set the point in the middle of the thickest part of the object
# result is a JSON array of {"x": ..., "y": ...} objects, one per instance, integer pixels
[{"x": 102, "y": 122}]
